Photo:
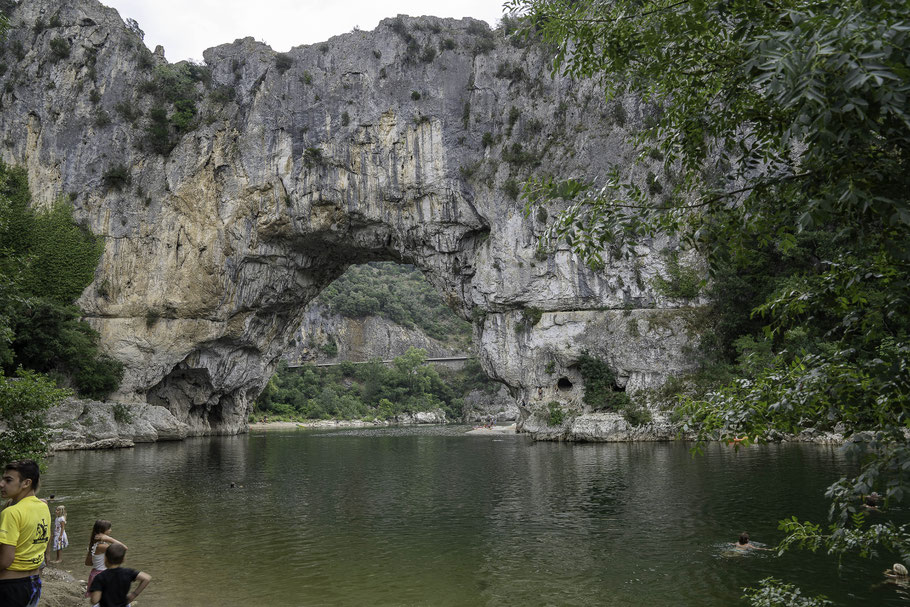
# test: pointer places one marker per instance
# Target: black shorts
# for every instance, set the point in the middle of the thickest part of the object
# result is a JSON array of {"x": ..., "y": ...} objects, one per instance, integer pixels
[{"x": 20, "y": 592}]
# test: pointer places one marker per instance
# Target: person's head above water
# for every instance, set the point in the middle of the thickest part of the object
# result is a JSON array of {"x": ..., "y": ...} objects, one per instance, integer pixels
[
  {"x": 743, "y": 538},
  {"x": 899, "y": 569}
]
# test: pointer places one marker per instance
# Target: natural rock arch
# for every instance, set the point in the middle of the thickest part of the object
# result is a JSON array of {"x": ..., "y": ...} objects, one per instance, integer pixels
[{"x": 353, "y": 150}]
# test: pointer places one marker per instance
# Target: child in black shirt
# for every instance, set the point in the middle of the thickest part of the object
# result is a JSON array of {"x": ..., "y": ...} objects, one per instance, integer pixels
[{"x": 111, "y": 587}]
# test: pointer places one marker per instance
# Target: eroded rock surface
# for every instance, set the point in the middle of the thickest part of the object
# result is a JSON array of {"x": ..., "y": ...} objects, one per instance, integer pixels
[
  {"x": 406, "y": 143},
  {"x": 86, "y": 424},
  {"x": 326, "y": 337}
]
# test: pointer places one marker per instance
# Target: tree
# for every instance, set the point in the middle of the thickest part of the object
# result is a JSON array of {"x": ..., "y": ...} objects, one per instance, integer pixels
[
  {"x": 784, "y": 127},
  {"x": 46, "y": 261},
  {"x": 23, "y": 403}
]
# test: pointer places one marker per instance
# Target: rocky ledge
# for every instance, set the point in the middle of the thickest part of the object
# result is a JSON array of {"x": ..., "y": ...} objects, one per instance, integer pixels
[{"x": 86, "y": 424}]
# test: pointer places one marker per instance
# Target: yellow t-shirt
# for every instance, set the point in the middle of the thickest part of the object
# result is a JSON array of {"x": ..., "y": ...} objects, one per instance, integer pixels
[{"x": 26, "y": 525}]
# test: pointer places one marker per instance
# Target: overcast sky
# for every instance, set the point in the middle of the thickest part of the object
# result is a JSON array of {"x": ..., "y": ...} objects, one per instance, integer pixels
[{"x": 187, "y": 27}]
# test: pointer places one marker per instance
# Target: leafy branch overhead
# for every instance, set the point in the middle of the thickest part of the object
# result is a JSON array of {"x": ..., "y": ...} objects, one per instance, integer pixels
[{"x": 758, "y": 103}]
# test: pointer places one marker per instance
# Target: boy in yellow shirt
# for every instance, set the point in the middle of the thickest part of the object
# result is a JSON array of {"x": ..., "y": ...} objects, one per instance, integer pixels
[{"x": 24, "y": 527}]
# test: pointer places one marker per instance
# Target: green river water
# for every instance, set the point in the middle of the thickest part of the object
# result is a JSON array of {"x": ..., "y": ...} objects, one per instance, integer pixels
[{"x": 430, "y": 516}]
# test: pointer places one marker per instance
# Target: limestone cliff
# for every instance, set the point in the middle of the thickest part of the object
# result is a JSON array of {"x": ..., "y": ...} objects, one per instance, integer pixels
[
  {"x": 227, "y": 205},
  {"x": 326, "y": 337}
]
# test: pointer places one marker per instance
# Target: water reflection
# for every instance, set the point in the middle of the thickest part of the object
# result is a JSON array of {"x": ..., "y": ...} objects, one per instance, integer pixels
[{"x": 432, "y": 517}]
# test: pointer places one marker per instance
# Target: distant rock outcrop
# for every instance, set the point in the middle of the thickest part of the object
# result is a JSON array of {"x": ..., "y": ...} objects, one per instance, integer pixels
[
  {"x": 230, "y": 194},
  {"x": 326, "y": 337}
]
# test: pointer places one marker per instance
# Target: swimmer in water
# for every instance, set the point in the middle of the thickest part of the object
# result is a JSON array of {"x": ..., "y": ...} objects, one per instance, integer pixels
[
  {"x": 898, "y": 572},
  {"x": 745, "y": 544}
]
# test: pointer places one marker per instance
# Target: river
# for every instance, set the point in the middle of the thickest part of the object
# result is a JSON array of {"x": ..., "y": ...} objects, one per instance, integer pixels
[{"x": 430, "y": 516}]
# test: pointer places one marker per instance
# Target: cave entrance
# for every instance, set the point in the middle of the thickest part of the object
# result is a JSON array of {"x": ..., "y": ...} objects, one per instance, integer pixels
[{"x": 564, "y": 384}]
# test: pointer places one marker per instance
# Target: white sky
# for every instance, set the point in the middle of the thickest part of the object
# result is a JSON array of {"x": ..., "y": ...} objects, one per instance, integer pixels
[{"x": 187, "y": 27}]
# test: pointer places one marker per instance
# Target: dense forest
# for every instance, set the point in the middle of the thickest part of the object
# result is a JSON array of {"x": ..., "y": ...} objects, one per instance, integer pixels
[{"x": 399, "y": 293}]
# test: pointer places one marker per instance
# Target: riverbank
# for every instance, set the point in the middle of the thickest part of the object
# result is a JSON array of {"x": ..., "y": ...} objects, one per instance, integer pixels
[
  {"x": 356, "y": 423},
  {"x": 410, "y": 419}
]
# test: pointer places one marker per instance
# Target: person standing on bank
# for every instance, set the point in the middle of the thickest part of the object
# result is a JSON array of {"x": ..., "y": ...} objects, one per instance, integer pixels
[{"x": 24, "y": 533}]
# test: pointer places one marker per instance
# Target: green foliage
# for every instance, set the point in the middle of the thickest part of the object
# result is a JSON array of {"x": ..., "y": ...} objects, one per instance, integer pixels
[
  {"x": 530, "y": 316},
  {"x": 117, "y": 178},
  {"x": 487, "y": 139},
  {"x": 345, "y": 119},
  {"x": 24, "y": 400},
  {"x": 60, "y": 49},
  {"x": 447, "y": 45},
  {"x": 636, "y": 415},
  {"x": 555, "y": 414},
  {"x": 429, "y": 53},
  {"x": 45, "y": 263},
  {"x": 681, "y": 281},
  {"x": 399, "y": 293},
  {"x": 312, "y": 157},
  {"x": 516, "y": 155},
  {"x": 176, "y": 89},
  {"x": 63, "y": 256},
  {"x": 601, "y": 391},
  {"x": 283, "y": 62},
  {"x": 122, "y": 414},
  {"x": 330, "y": 348},
  {"x": 369, "y": 390},
  {"x": 102, "y": 118},
  {"x": 507, "y": 71},
  {"x": 511, "y": 188},
  {"x": 415, "y": 95},
  {"x": 774, "y": 593}
]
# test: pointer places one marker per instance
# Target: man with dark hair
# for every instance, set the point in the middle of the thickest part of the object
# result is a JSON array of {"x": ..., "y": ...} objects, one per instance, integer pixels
[
  {"x": 24, "y": 526},
  {"x": 111, "y": 587}
]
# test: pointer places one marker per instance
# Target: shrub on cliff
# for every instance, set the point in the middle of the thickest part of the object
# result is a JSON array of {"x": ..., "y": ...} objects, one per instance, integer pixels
[
  {"x": 24, "y": 399},
  {"x": 46, "y": 261}
]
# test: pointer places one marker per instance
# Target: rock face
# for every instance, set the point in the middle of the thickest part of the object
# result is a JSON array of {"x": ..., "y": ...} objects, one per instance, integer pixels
[
  {"x": 325, "y": 337},
  {"x": 406, "y": 143},
  {"x": 482, "y": 406},
  {"x": 84, "y": 424}
]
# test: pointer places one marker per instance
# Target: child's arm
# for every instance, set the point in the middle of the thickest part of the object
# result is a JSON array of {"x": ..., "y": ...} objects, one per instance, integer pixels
[
  {"x": 144, "y": 580},
  {"x": 95, "y": 597},
  {"x": 103, "y": 537}
]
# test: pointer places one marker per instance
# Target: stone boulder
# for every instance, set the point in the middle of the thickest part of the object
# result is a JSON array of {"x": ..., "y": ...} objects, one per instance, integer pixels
[{"x": 87, "y": 424}]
